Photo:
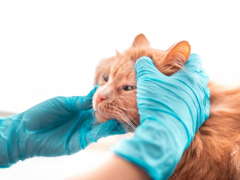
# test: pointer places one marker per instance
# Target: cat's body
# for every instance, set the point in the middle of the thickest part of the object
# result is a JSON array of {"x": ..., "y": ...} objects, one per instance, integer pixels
[{"x": 214, "y": 152}]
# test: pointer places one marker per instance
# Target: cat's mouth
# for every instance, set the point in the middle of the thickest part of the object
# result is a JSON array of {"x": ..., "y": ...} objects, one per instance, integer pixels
[{"x": 100, "y": 114}]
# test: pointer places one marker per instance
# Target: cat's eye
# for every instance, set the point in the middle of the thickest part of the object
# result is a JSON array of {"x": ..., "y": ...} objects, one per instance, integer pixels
[
  {"x": 105, "y": 77},
  {"x": 129, "y": 88}
]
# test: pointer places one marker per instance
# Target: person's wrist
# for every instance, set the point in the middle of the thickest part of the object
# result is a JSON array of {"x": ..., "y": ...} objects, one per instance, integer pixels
[
  {"x": 153, "y": 135},
  {"x": 10, "y": 151},
  {"x": 23, "y": 141}
]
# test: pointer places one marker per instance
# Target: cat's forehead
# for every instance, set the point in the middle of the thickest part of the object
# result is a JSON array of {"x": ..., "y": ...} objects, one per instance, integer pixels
[{"x": 123, "y": 66}]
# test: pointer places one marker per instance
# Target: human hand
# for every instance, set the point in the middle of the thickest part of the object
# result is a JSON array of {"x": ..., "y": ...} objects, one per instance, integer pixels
[
  {"x": 171, "y": 111},
  {"x": 58, "y": 126}
]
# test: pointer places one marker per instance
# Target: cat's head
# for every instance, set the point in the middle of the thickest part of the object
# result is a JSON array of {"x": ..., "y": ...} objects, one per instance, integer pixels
[{"x": 116, "y": 96}]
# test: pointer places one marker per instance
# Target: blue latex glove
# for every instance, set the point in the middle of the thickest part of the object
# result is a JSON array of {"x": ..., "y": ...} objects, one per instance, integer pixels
[
  {"x": 171, "y": 111},
  {"x": 59, "y": 126}
]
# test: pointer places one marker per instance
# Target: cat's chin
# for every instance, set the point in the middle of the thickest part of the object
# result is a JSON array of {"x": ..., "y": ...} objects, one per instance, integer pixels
[{"x": 100, "y": 117}]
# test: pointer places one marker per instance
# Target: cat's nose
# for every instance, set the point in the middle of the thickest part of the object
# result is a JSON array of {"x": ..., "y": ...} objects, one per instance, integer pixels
[{"x": 100, "y": 98}]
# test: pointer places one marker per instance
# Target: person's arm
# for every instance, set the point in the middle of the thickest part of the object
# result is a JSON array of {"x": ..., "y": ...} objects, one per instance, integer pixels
[
  {"x": 115, "y": 168},
  {"x": 171, "y": 111},
  {"x": 58, "y": 126}
]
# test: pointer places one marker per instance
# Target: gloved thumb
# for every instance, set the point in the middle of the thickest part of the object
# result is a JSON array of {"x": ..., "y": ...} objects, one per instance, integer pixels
[
  {"x": 146, "y": 69},
  {"x": 78, "y": 103}
]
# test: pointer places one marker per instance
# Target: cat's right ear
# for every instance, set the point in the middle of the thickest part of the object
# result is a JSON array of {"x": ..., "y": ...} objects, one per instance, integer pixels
[{"x": 140, "y": 41}]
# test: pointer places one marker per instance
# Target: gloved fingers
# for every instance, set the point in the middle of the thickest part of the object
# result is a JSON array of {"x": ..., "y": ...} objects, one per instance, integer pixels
[
  {"x": 193, "y": 65},
  {"x": 78, "y": 103},
  {"x": 193, "y": 71},
  {"x": 92, "y": 92},
  {"x": 111, "y": 127},
  {"x": 116, "y": 128},
  {"x": 146, "y": 69},
  {"x": 204, "y": 74}
]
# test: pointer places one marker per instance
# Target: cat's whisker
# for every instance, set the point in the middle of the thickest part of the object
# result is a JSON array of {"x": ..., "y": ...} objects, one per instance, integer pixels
[
  {"x": 125, "y": 108},
  {"x": 124, "y": 118},
  {"x": 234, "y": 152},
  {"x": 130, "y": 125},
  {"x": 131, "y": 118},
  {"x": 127, "y": 121},
  {"x": 128, "y": 114},
  {"x": 120, "y": 117},
  {"x": 126, "y": 130}
]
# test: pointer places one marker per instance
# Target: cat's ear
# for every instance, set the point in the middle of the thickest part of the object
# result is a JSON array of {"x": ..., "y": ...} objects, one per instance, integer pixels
[
  {"x": 140, "y": 41},
  {"x": 175, "y": 57},
  {"x": 117, "y": 53}
]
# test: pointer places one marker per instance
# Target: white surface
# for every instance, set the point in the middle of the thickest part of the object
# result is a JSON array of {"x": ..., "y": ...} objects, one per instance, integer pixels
[
  {"x": 54, "y": 168},
  {"x": 51, "y": 47}
]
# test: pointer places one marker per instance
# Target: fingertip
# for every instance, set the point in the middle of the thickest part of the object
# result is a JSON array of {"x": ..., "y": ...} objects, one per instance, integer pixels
[
  {"x": 116, "y": 127},
  {"x": 195, "y": 58},
  {"x": 92, "y": 92},
  {"x": 142, "y": 62},
  {"x": 194, "y": 63},
  {"x": 78, "y": 103}
]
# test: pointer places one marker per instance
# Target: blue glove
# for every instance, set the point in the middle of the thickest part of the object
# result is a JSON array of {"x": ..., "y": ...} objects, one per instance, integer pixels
[
  {"x": 58, "y": 126},
  {"x": 171, "y": 111}
]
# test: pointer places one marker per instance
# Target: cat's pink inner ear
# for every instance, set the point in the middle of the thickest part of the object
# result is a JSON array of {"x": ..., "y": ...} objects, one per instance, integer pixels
[
  {"x": 141, "y": 41},
  {"x": 178, "y": 54}
]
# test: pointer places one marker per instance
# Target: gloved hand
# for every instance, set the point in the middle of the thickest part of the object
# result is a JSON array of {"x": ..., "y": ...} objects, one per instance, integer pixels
[
  {"x": 171, "y": 111},
  {"x": 58, "y": 126}
]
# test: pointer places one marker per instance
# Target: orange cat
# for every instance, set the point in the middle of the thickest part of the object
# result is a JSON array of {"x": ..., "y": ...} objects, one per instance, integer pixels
[{"x": 214, "y": 152}]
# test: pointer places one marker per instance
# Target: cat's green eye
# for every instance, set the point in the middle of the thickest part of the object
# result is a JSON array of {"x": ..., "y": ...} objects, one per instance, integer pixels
[
  {"x": 129, "y": 88},
  {"x": 105, "y": 77}
]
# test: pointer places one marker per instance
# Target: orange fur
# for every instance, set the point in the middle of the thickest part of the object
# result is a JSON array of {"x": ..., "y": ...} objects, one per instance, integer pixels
[{"x": 214, "y": 152}]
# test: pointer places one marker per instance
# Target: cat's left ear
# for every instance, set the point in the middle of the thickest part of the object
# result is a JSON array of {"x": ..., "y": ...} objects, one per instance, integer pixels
[
  {"x": 140, "y": 41},
  {"x": 174, "y": 58},
  {"x": 182, "y": 49}
]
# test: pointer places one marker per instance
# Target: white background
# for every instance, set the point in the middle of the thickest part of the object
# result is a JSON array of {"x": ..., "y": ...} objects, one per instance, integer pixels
[{"x": 51, "y": 47}]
